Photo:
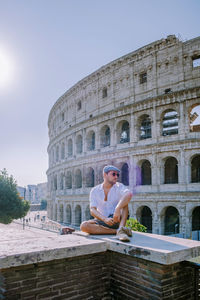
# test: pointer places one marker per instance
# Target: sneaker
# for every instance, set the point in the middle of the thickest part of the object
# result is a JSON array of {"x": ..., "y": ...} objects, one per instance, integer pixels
[
  {"x": 122, "y": 235},
  {"x": 128, "y": 231}
]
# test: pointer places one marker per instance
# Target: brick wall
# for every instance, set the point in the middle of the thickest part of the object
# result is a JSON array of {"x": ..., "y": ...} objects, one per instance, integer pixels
[
  {"x": 105, "y": 276},
  {"x": 85, "y": 277},
  {"x": 133, "y": 278}
]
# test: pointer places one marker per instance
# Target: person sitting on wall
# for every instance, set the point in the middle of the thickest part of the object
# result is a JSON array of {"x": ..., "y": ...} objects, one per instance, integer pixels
[{"x": 109, "y": 207}]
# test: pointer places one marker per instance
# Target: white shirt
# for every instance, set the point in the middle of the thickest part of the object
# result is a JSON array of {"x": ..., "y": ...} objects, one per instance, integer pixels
[{"x": 97, "y": 197}]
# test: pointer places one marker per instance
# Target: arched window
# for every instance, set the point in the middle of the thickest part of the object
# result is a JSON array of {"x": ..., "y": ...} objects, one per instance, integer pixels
[
  {"x": 125, "y": 133},
  {"x": 196, "y": 219},
  {"x": 68, "y": 214},
  {"x": 171, "y": 221},
  {"x": 91, "y": 141},
  {"x": 171, "y": 170},
  {"x": 170, "y": 123},
  {"x": 90, "y": 177},
  {"x": 70, "y": 147},
  {"x": 105, "y": 136},
  {"x": 195, "y": 118},
  {"x": 146, "y": 173},
  {"x": 78, "y": 215},
  {"x": 125, "y": 174},
  {"x": 57, "y": 153},
  {"x": 63, "y": 151},
  {"x": 145, "y": 127},
  {"x": 146, "y": 218},
  {"x": 79, "y": 144},
  {"x": 78, "y": 179},
  {"x": 68, "y": 180},
  {"x": 195, "y": 169}
]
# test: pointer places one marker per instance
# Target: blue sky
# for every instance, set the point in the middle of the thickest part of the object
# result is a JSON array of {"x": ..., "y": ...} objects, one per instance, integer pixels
[{"x": 49, "y": 45}]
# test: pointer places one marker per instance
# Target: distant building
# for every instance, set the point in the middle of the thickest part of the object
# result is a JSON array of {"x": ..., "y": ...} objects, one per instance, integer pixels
[
  {"x": 34, "y": 193},
  {"x": 21, "y": 191}
]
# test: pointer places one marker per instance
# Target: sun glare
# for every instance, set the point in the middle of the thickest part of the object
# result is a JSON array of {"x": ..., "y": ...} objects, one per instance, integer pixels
[{"x": 6, "y": 68}]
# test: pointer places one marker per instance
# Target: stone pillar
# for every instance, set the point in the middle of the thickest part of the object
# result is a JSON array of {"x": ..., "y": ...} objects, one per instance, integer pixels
[
  {"x": 133, "y": 130},
  {"x": 73, "y": 214},
  {"x": 181, "y": 168}
]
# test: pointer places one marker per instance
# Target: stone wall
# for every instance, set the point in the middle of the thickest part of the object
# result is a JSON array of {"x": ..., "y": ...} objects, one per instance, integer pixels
[{"x": 104, "y": 276}]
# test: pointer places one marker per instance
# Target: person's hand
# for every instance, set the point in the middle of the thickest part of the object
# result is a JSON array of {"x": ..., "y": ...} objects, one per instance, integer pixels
[
  {"x": 109, "y": 221},
  {"x": 116, "y": 216}
]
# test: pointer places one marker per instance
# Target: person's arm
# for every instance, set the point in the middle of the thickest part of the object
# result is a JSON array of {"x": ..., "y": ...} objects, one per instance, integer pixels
[
  {"x": 124, "y": 201},
  {"x": 94, "y": 212}
]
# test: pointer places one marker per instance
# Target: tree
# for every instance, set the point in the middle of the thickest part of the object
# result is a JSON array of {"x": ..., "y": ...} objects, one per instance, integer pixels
[
  {"x": 43, "y": 204},
  {"x": 12, "y": 206}
]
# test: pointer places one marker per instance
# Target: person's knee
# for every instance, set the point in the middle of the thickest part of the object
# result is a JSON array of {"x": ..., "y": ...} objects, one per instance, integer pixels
[
  {"x": 84, "y": 226},
  {"x": 129, "y": 195}
]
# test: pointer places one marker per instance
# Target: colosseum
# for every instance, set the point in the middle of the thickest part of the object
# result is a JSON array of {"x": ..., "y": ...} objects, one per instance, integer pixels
[{"x": 140, "y": 112}]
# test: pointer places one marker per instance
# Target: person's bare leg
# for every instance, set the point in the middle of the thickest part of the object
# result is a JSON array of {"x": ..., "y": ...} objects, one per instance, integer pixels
[
  {"x": 124, "y": 216},
  {"x": 92, "y": 228}
]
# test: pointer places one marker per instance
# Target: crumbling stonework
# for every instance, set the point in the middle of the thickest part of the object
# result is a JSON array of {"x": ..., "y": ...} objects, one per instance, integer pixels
[{"x": 136, "y": 113}]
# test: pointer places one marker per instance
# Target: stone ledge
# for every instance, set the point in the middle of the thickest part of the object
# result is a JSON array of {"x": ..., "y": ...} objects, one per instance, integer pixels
[
  {"x": 23, "y": 247},
  {"x": 156, "y": 248}
]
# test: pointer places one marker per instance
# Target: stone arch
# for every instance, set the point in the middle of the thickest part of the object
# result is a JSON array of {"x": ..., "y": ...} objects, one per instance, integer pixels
[
  {"x": 123, "y": 132},
  {"x": 194, "y": 117},
  {"x": 144, "y": 216},
  {"x": 90, "y": 140},
  {"x": 87, "y": 213},
  {"x": 170, "y": 220},
  {"x": 169, "y": 122},
  {"x": 170, "y": 170},
  {"x": 196, "y": 218},
  {"x": 195, "y": 168},
  {"x": 79, "y": 144},
  {"x": 77, "y": 215},
  {"x": 90, "y": 177},
  {"x": 68, "y": 214},
  {"x": 55, "y": 182},
  {"x": 61, "y": 213},
  {"x": 144, "y": 125},
  {"x": 78, "y": 179},
  {"x": 145, "y": 172},
  {"x": 56, "y": 212},
  {"x": 70, "y": 147},
  {"x": 57, "y": 153},
  {"x": 105, "y": 136},
  {"x": 68, "y": 180},
  {"x": 125, "y": 174},
  {"x": 61, "y": 181},
  {"x": 63, "y": 151}
]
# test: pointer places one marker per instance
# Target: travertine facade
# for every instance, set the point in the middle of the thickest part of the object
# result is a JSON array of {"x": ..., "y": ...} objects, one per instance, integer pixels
[{"x": 140, "y": 113}]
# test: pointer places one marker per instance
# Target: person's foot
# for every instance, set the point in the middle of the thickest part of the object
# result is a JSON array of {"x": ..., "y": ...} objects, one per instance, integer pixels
[
  {"x": 128, "y": 231},
  {"x": 122, "y": 235}
]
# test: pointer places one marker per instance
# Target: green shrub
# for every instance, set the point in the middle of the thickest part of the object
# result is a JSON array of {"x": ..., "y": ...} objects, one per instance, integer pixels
[{"x": 135, "y": 225}]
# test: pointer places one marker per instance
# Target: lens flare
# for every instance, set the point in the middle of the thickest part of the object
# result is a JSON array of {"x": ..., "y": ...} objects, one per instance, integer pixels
[{"x": 6, "y": 69}]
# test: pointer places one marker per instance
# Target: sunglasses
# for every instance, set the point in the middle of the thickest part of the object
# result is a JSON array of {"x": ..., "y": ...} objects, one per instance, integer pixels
[{"x": 115, "y": 174}]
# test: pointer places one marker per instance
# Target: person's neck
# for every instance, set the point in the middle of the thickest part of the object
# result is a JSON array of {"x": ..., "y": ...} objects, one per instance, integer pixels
[{"x": 107, "y": 185}]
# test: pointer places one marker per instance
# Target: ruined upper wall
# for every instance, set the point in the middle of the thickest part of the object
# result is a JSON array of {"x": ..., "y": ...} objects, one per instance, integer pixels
[{"x": 155, "y": 69}]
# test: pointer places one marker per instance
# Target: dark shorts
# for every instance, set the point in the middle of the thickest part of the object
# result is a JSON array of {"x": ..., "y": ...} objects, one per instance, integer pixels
[{"x": 115, "y": 226}]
